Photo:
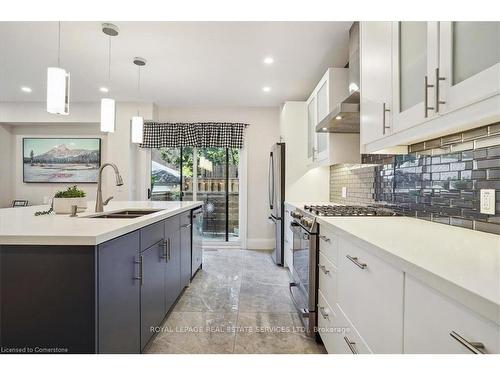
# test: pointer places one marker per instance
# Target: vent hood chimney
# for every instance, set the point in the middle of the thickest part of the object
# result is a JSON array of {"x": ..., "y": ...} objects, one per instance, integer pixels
[{"x": 344, "y": 118}]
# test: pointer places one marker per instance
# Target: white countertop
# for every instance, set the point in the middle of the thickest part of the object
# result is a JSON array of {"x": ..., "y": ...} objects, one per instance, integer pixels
[
  {"x": 462, "y": 263},
  {"x": 19, "y": 226}
]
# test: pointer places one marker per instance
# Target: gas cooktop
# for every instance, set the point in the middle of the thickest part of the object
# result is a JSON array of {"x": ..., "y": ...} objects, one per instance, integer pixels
[{"x": 338, "y": 210}]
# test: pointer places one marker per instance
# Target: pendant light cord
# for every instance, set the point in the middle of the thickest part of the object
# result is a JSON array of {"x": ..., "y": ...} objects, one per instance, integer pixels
[
  {"x": 138, "y": 86},
  {"x": 109, "y": 61}
]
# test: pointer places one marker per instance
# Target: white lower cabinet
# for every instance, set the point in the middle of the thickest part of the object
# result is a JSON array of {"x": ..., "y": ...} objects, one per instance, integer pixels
[
  {"x": 367, "y": 305},
  {"x": 436, "y": 324},
  {"x": 370, "y": 292},
  {"x": 338, "y": 335}
]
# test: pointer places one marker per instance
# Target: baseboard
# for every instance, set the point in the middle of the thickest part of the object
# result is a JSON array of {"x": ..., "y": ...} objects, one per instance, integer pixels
[{"x": 260, "y": 243}]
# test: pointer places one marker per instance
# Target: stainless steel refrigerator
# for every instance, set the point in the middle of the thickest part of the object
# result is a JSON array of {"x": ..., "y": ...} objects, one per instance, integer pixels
[{"x": 276, "y": 197}]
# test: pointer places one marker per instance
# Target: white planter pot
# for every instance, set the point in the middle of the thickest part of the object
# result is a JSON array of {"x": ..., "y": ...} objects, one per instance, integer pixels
[{"x": 63, "y": 205}]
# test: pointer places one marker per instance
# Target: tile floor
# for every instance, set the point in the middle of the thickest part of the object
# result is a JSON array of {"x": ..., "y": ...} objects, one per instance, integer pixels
[{"x": 238, "y": 303}]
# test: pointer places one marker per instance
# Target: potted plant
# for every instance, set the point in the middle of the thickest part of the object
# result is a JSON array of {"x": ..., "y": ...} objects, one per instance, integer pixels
[{"x": 63, "y": 200}]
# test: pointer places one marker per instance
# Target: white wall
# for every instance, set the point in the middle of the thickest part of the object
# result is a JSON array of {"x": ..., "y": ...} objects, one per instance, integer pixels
[
  {"x": 302, "y": 183},
  {"x": 32, "y": 120},
  {"x": 5, "y": 166},
  {"x": 262, "y": 132},
  {"x": 38, "y": 193}
]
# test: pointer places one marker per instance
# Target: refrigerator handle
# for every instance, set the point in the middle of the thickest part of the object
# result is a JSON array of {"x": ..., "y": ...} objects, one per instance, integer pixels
[{"x": 270, "y": 184}]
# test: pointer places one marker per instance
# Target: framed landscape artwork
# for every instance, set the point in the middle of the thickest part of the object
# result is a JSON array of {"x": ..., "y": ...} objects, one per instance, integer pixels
[{"x": 64, "y": 160}]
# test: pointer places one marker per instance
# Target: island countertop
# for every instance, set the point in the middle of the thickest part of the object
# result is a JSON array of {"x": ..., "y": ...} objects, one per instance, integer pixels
[{"x": 19, "y": 226}]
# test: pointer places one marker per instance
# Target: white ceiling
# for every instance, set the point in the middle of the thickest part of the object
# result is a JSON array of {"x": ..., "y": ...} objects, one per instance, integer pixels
[{"x": 189, "y": 63}]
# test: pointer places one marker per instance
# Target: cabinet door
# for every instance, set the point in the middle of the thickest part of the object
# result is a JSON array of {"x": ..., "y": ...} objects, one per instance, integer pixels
[
  {"x": 152, "y": 290},
  {"x": 376, "y": 80},
  {"x": 185, "y": 255},
  {"x": 119, "y": 295},
  {"x": 311, "y": 129},
  {"x": 173, "y": 269},
  {"x": 365, "y": 283},
  {"x": 469, "y": 63},
  {"x": 431, "y": 317},
  {"x": 415, "y": 57}
]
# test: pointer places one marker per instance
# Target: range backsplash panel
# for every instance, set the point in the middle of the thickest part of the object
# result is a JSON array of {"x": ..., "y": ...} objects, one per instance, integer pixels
[{"x": 439, "y": 180}]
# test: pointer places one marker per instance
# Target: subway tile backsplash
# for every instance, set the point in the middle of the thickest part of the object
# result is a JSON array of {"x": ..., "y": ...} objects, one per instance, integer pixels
[{"x": 439, "y": 180}]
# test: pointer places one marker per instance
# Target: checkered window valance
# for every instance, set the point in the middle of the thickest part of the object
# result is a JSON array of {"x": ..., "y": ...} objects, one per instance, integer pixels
[{"x": 199, "y": 134}]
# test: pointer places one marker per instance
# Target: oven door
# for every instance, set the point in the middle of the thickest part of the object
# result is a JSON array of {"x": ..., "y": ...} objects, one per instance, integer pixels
[{"x": 301, "y": 289}]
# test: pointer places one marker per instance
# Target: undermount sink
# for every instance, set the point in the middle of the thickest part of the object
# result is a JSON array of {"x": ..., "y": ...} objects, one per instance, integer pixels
[{"x": 125, "y": 214}]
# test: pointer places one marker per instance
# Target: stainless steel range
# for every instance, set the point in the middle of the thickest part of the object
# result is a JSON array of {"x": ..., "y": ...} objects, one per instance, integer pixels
[{"x": 305, "y": 230}]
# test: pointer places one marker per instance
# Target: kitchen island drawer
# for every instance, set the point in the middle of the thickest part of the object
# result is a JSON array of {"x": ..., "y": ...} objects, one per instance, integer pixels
[
  {"x": 437, "y": 324},
  {"x": 338, "y": 335},
  {"x": 370, "y": 292},
  {"x": 152, "y": 234},
  {"x": 329, "y": 243},
  {"x": 327, "y": 279}
]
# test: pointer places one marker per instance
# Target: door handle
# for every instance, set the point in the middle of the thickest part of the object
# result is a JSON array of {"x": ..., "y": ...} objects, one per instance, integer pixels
[
  {"x": 168, "y": 250},
  {"x": 323, "y": 268},
  {"x": 426, "y": 97},
  {"x": 141, "y": 268},
  {"x": 384, "y": 110},
  {"x": 165, "y": 251},
  {"x": 438, "y": 78},
  {"x": 324, "y": 238},
  {"x": 356, "y": 262},
  {"x": 323, "y": 312},
  {"x": 351, "y": 345},
  {"x": 270, "y": 177},
  {"x": 474, "y": 347}
]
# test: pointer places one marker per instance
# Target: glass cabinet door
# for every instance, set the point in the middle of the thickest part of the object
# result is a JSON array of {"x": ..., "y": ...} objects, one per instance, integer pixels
[
  {"x": 415, "y": 57},
  {"x": 412, "y": 63},
  {"x": 469, "y": 62},
  {"x": 322, "y": 108}
]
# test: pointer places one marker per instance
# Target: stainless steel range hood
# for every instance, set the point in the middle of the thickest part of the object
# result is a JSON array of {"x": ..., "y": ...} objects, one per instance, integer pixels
[{"x": 344, "y": 118}]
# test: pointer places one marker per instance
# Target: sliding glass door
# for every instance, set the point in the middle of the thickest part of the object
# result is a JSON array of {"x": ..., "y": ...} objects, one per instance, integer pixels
[{"x": 205, "y": 174}]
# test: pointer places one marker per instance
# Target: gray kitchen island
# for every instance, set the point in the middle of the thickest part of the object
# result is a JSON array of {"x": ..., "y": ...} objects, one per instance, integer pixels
[{"x": 96, "y": 283}]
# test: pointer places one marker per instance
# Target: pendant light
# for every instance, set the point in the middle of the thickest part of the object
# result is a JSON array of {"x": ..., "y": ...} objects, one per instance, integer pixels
[
  {"x": 137, "y": 121},
  {"x": 108, "y": 107},
  {"x": 58, "y": 85}
]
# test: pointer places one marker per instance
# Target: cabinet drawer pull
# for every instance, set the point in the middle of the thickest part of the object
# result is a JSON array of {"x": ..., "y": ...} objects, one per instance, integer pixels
[
  {"x": 474, "y": 347},
  {"x": 351, "y": 345},
  {"x": 323, "y": 268},
  {"x": 427, "y": 86},
  {"x": 356, "y": 262},
  {"x": 141, "y": 268},
  {"x": 325, "y": 238},
  {"x": 323, "y": 312},
  {"x": 186, "y": 225}
]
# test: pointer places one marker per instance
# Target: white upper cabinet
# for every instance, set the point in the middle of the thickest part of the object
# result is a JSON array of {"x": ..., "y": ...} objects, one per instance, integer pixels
[
  {"x": 445, "y": 78},
  {"x": 376, "y": 80},
  {"x": 469, "y": 66},
  {"x": 415, "y": 59},
  {"x": 329, "y": 148}
]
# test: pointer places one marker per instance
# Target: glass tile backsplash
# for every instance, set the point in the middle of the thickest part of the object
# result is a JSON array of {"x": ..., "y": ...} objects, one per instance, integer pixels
[{"x": 438, "y": 180}]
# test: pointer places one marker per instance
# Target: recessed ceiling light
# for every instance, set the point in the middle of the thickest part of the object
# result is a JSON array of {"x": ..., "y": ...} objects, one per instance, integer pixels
[
  {"x": 338, "y": 118},
  {"x": 26, "y": 89},
  {"x": 266, "y": 89},
  {"x": 103, "y": 89},
  {"x": 268, "y": 60}
]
